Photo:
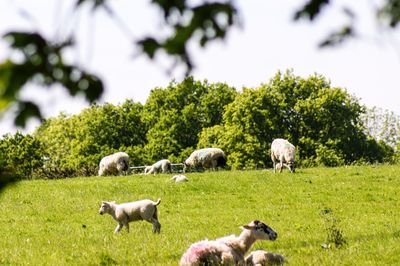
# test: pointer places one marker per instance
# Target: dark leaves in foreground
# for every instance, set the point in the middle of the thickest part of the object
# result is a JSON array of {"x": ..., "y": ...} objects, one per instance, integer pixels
[{"x": 41, "y": 62}]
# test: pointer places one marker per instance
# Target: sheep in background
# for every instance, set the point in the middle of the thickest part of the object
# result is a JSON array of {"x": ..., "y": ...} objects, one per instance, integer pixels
[
  {"x": 114, "y": 164},
  {"x": 284, "y": 152},
  {"x": 206, "y": 158},
  {"x": 229, "y": 250},
  {"x": 179, "y": 178},
  {"x": 263, "y": 258},
  {"x": 132, "y": 211},
  {"x": 162, "y": 166}
]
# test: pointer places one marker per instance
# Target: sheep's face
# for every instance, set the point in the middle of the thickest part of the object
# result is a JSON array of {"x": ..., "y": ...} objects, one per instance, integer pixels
[
  {"x": 291, "y": 166},
  {"x": 261, "y": 231},
  {"x": 105, "y": 207}
]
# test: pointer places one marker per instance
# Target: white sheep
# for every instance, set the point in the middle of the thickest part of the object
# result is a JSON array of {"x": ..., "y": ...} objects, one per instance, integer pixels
[
  {"x": 114, "y": 164},
  {"x": 263, "y": 258},
  {"x": 179, "y": 178},
  {"x": 162, "y": 166},
  {"x": 284, "y": 152},
  {"x": 229, "y": 250},
  {"x": 206, "y": 158},
  {"x": 132, "y": 211}
]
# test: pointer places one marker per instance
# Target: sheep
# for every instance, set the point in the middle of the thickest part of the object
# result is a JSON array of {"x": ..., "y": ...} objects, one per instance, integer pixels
[
  {"x": 229, "y": 250},
  {"x": 179, "y": 178},
  {"x": 284, "y": 152},
  {"x": 263, "y": 258},
  {"x": 206, "y": 158},
  {"x": 114, "y": 164},
  {"x": 132, "y": 211},
  {"x": 162, "y": 166}
]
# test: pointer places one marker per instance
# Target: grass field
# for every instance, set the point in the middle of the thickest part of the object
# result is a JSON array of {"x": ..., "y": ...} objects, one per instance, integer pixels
[{"x": 56, "y": 222}]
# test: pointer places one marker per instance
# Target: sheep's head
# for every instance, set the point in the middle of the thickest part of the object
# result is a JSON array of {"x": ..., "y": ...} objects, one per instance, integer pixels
[
  {"x": 291, "y": 166},
  {"x": 261, "y": 231},
  {"x": 106, "y": 207}
]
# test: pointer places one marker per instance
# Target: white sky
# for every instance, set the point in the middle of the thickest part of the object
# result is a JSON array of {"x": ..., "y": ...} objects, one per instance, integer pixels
[{"x": 268, "y": 41}]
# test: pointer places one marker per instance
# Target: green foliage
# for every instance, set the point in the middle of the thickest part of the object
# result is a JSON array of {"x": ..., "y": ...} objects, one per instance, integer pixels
[
  {"x": 41, "y": 62},
  {"x": 176, "y": 115},
  {"x": 322, "y": 122},
  {"x": 75, "y": 144},
  {"x": 21, "y": 155},
  {"x": 56, "y": 222}
]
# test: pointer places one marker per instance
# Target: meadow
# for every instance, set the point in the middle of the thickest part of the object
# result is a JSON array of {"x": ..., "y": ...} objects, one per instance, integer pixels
[{"x": 323, "y": 216}]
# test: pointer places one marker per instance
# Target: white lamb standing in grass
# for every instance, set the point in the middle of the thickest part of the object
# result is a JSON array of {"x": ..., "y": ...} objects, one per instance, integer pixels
[
  {"x": 162, "y": 166},
  {"x": 132, "y": 211},
  {"x": 263, "y": 258},
  {"x": 114, "y": 164},
  {"x": 179, "y": 178},
  {"x": 229, "y": 250},
  {"x": 206, "y": 158},
  {"x": 284, "y": 152}
]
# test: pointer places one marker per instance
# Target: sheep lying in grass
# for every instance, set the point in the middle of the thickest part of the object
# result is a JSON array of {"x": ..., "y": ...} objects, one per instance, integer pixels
[
  {"x": 132, "y": 211},
  {"x": 162, "y": 166},
  {"x": 229, "y": 250},
  {"x": 179, "y": 178},
  {"x": 263, "y": 258},
  {"x": 114, "y": 164},
  {"x": 284, "y": 152},
  {"x": 206, "y": 158}
]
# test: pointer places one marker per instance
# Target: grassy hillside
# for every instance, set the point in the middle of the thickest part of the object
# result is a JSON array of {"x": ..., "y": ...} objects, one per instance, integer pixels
[{"x": 56, "y": 222}]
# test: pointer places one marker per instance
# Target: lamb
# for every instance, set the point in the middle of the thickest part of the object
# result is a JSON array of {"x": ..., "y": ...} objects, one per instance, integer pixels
[
  {"x": 162, "y": 166},
  {"x": 206, "y": 158},
  {"x": 229, "y": 250},
  {"x": 114, "y": 164},
  {"x": 262, "y": 258},
  {"x": 284, "y": 152},
  {"x": 132, "y": 211},
  {"x": 179, "y": 178}
]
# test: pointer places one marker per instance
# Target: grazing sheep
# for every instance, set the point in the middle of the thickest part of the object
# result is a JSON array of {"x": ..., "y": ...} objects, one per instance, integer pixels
[
  {"x": 132, "y": 211},
  {"x": 263, "y": 258},
  {"x": 284, "y": 152},
  {"x": 162, "y": 166},
  {"x": 206, "y": 158},
  {"x": 179, "y": 178},
  {"x": 114, "y": 164},
  {"x": 229, "y": 250}
]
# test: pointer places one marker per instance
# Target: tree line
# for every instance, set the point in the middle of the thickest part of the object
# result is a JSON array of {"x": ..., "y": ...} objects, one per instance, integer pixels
[{"x": 326, "y": 124}]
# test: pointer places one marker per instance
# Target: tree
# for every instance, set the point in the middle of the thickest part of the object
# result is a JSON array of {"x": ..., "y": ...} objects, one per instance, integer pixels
[
  {"x": 75, "y": 144},
  {"x": 322, "y": 122},
  {"x": 21, "y": 155},
  {"x": 43, "y": 59},
  {"x": 176, "y": 115}
]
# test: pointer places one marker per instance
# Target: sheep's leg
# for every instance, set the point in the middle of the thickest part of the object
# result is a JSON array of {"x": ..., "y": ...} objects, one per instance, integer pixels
[
  {"x": 287, "y": 166},
  {"x": 273, "y": 162},
  {"x": 118, "y": 228},
  {"x": 156, "y": 225},
  {"x": 126, "y": 226}
]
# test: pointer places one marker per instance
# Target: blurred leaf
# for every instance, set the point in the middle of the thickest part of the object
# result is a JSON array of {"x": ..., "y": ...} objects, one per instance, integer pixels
[
  {"x": 336, "y": 38},
  {"x": 25, "y": 111},
  {"x": 311, "y": 9},
  {"x": 169, "y": 5},
  {"x": 96, "y": 3},
  {"x": 149, "y": 46},
  {"x": 390, "y": 12}
]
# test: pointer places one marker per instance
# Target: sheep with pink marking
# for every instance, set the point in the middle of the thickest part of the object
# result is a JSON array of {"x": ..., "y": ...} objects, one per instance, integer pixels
[{"x": 229, "y": 250}]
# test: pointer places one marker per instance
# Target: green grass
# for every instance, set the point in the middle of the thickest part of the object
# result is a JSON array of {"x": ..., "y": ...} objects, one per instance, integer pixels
[{"x": 56, "y": 222}]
